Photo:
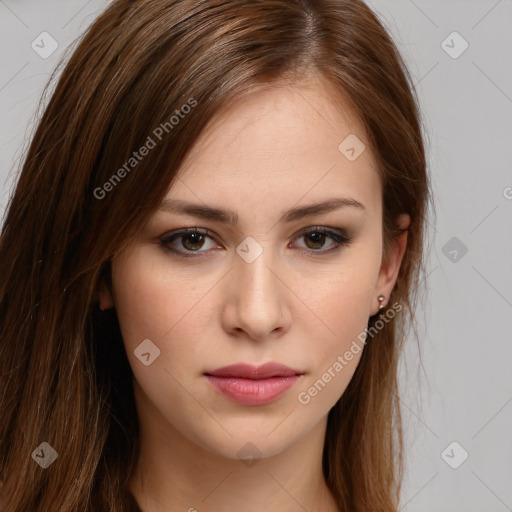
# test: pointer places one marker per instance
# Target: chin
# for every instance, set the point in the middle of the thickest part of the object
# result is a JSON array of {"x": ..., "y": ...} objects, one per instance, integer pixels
[{"x": 248, "y": 444}]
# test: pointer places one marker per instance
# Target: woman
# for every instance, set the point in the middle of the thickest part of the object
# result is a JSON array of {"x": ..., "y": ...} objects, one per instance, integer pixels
[{"x": 209, "y": 261}]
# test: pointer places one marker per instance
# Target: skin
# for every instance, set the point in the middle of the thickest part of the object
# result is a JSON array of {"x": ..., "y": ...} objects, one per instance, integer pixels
[{"x": 270, "y": 151}]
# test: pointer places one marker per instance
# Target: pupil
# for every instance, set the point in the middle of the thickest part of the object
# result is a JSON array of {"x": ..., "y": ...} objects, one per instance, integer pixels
[
  {"x": 317, "y": 238},
  {"x": 192, "y": 236}
]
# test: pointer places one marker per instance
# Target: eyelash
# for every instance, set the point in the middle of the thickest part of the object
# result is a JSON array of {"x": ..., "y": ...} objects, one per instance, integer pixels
[{"x": 341, "y": 240}]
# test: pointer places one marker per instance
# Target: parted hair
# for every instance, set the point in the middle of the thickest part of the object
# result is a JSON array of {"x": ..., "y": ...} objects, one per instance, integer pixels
[{"x": 64, "y": 375}]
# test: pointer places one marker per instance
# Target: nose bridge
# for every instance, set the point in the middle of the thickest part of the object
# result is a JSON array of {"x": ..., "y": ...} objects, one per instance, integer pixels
[
  {"x": 252, "y": 269},
  {"x": 259, "y": 298}
]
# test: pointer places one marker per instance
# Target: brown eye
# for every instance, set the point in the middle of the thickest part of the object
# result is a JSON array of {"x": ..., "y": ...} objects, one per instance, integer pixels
[
  {"x": 190, "y": 243},
  {"x": 196, "y": 241},
  {"x": 187, "y": 242},
  {"x": 317, "y": 238}
]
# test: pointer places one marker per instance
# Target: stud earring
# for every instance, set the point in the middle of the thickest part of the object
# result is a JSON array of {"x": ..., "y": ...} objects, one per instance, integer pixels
[{"x": 380, "y": 299}]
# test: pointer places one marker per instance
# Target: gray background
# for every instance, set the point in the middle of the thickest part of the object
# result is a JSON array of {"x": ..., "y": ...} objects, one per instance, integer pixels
[{"x": 462, "y": 391}]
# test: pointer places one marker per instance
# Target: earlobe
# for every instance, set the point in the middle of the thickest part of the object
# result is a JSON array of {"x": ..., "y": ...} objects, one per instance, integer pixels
[{"x": 105, "y": 298}]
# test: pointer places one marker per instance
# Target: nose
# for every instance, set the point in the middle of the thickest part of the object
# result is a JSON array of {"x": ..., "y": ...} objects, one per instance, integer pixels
[{"x": 257, "y": 299}]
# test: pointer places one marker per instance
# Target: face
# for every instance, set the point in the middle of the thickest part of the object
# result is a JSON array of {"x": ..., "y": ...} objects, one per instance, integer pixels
[{"x": 271, "y": 287}]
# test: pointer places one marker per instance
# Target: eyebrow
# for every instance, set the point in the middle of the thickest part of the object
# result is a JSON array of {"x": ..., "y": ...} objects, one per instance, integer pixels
[{"x": 230, "y": 217}]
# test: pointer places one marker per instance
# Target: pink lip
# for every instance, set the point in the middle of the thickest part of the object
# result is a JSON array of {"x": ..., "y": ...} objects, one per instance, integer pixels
[{"x": 253, "y": 385}]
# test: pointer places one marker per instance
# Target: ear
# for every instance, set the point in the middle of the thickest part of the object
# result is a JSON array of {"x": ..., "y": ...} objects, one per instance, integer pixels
[
  {"x": 390, "y": 267},
  {"x": 104, "y": 296}
]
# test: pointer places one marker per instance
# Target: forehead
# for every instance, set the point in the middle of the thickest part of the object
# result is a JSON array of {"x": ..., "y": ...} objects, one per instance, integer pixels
[{"x": 281, "y": 145}]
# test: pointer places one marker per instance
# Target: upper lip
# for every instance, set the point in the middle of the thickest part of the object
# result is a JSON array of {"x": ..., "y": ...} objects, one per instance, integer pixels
[{"x": 249, "y": 371}]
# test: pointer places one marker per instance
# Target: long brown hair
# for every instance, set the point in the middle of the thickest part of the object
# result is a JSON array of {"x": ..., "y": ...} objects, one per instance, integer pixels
[{"x": 64, "y": 376}]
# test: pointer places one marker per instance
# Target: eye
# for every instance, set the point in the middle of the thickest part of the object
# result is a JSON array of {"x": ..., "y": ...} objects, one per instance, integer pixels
[
  {"x": 192, "y": 240},
  {"x": 316, "y": 237}
]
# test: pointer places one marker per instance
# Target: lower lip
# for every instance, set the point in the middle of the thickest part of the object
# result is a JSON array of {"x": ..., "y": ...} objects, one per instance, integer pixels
[{"x": 252, "y": 391}]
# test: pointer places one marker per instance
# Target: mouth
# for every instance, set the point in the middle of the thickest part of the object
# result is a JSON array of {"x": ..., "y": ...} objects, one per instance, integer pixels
[
  {"x": 247, "y": 384},
  {"x": 249, "y": 371}
]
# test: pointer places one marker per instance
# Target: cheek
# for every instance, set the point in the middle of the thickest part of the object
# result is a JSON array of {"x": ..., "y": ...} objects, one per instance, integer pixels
[
  {"x": 171, "y": 309},
  {"x": 148, "y": 303},
  {"x": 151, "y": 305},
  {"x": 342, "y": 303},
  {"x": 334, "y": 360},
  {"x": 343, "y": 307}
]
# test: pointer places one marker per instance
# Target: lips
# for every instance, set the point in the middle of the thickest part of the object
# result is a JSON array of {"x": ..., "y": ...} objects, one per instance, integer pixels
[
  {"x": 247, "y": 371},
  {"x": 253, "y": 385}
]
